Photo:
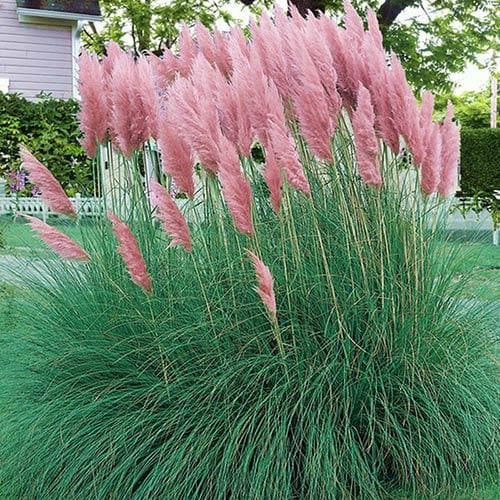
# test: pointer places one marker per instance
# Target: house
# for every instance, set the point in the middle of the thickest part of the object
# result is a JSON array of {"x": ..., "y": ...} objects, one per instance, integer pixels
[{"x": 40, "y": 43}]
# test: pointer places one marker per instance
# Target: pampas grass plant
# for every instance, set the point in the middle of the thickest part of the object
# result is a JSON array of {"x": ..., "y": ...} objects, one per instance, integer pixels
[{"x": 318, "y": 352}]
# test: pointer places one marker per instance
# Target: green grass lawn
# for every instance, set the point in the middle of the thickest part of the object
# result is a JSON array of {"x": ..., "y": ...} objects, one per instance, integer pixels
[{"x": 18, "y": 237}]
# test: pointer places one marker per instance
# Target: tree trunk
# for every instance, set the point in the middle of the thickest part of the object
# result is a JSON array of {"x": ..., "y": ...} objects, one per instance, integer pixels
[
  {"x": 390, "y": 10},
  {"x": 304, "y": 6}
]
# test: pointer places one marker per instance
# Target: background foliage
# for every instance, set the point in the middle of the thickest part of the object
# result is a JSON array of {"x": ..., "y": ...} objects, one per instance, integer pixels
[
  {"x": 49, "y": 128},
  {"x": 480, "y": 153}
]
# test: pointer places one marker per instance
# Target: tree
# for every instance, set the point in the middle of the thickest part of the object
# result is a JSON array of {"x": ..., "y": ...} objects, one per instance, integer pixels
[
  {"x": 472, "y": 109},
  {"x": 150, "y": 25},
  {"x": 439, "y": 40}
]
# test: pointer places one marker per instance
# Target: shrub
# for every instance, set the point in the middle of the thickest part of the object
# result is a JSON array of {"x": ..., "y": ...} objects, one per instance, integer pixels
[
  {"x": 48, "y": 127},
  {"x": 479, "y": 169},
  {"x": 161, "y": 374}
]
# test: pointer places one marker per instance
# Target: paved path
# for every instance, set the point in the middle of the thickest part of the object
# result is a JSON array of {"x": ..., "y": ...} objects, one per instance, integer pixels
[{"x": 14, "y": 269}]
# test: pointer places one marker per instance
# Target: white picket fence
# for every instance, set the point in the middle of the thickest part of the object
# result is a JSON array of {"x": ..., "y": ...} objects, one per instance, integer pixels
[{"x": 85, "y": 207}]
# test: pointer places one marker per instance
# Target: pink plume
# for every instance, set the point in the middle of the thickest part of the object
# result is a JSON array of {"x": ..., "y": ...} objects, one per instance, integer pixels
[
  {"x": 431, "y": 165},
  {"x": 193, "y": 108},
  {"x": 176, "y": 157},
  {"x": 51, "y": 191},
  {"x": 323, "y": 62},
  {"x": 148, "y": 95},
  {"x": 164, "y": 68},
  {"x": 265, "y": 281},
  {"x": 168, "y": 212},
  {"x": 406, "y": 111},
  {"x": 426, "y": 110},
  {"x": 113, "y": 53},
  {"x": 132, "y": 256},
  {"x": 450, "y": 154},
  {"x": 129, "y": 123},
  {"x": 205, "y": 42},
  {"x": 221, "y": 54},
  {"x": 235, "y": 187},
  {"x": 374, "y": 30},
  {"x": 376, "y": 80},
  {"x": 64, "y": 246},
  {"x": 94, "y": 106},
  {"x": 250, "y": 84},
  {"x": 311, "y": 102},
  {"x": 187, "y": 52},
  {"x": 268, "y": 43},
  {"x": 287, "y": 157},
  {"x": 239, "y": 41},
  {"x": 353, "y": 24},
  {"x": 346, "y": 62},
  {"x": 272, "y": 175},
  {"x": 363, "y": 122},
  {"x": 227, "y": 107}
]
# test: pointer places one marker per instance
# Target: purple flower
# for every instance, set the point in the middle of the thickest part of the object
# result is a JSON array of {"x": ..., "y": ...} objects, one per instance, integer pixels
[{"x": 17, "y": 181}]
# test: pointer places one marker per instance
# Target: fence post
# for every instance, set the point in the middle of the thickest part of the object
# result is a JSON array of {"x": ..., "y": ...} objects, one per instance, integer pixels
[
  {"x": 45, "y": 212},
  {"x": 78, "y": 202}
]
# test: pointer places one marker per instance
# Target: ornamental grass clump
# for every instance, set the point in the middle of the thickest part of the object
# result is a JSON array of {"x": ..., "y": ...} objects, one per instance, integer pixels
[{"x": 243, "y": 329}]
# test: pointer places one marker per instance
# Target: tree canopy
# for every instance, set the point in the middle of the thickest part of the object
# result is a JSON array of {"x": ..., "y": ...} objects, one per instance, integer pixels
[{"x": 438, "y": 39}]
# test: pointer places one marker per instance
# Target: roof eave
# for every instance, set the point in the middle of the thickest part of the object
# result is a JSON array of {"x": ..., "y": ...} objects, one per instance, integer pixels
[{"x": 54, "y": 14}]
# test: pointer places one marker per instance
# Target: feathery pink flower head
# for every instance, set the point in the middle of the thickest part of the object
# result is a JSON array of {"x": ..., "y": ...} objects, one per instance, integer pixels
[
  {"x": 64, "y": 246},
  {"x": 323, "y": 61},
  {"x": 426, "y": 110},
  {"x": 171, "y": 217},
  {"x": 363, "y": 123},
  {"x": 164, "y": 68},
  {"x": 268, "y": 43},
  {"x": 287, "y": 158},
  {"x": 406, "y": 111},
  {"x": 376, "y": 80},
  {"x": 129, "y": 123},
  {"x": 205, "y": 41},
  {"x": 221, "y": 52},
  {"x": 450, "y": 154},
  {"x": 347, "y": 64},
  {"x": 187, "y": 52},
  {"x": 132, "y": 256},
  {"x": 265, "y": 287},
  {"x": 235, "y": 187},
  {"x": 194, "y": 109},
  {"x": 113, "y": 53},
  {"x": 52, "y": 192},
  {"x": 148, "y": 95},
  {"x": 94, "y": 106},
  {"x": 176, "y": 156},
  {"x": 374, "y": 30},
  {"x": 431, "y": 165},
  {"x": 354, "y": 28}
]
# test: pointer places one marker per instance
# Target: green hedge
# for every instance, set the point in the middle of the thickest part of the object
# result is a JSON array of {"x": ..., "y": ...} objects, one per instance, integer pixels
[
  {"x": 49, "y": 128},
  {"x": 480, "y": 161}
]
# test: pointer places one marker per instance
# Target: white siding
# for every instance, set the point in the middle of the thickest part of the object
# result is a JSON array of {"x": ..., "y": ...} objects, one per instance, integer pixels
[{"x": 35, "y": 57}]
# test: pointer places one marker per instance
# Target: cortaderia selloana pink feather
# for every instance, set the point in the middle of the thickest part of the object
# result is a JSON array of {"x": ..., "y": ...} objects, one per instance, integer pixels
[
  {"x": 131, "y": 254},
  {"x": 52, "y": 192}
]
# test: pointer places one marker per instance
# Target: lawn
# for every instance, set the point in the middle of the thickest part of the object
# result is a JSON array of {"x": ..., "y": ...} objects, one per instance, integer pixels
[{"x": 19, "y": 239}]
